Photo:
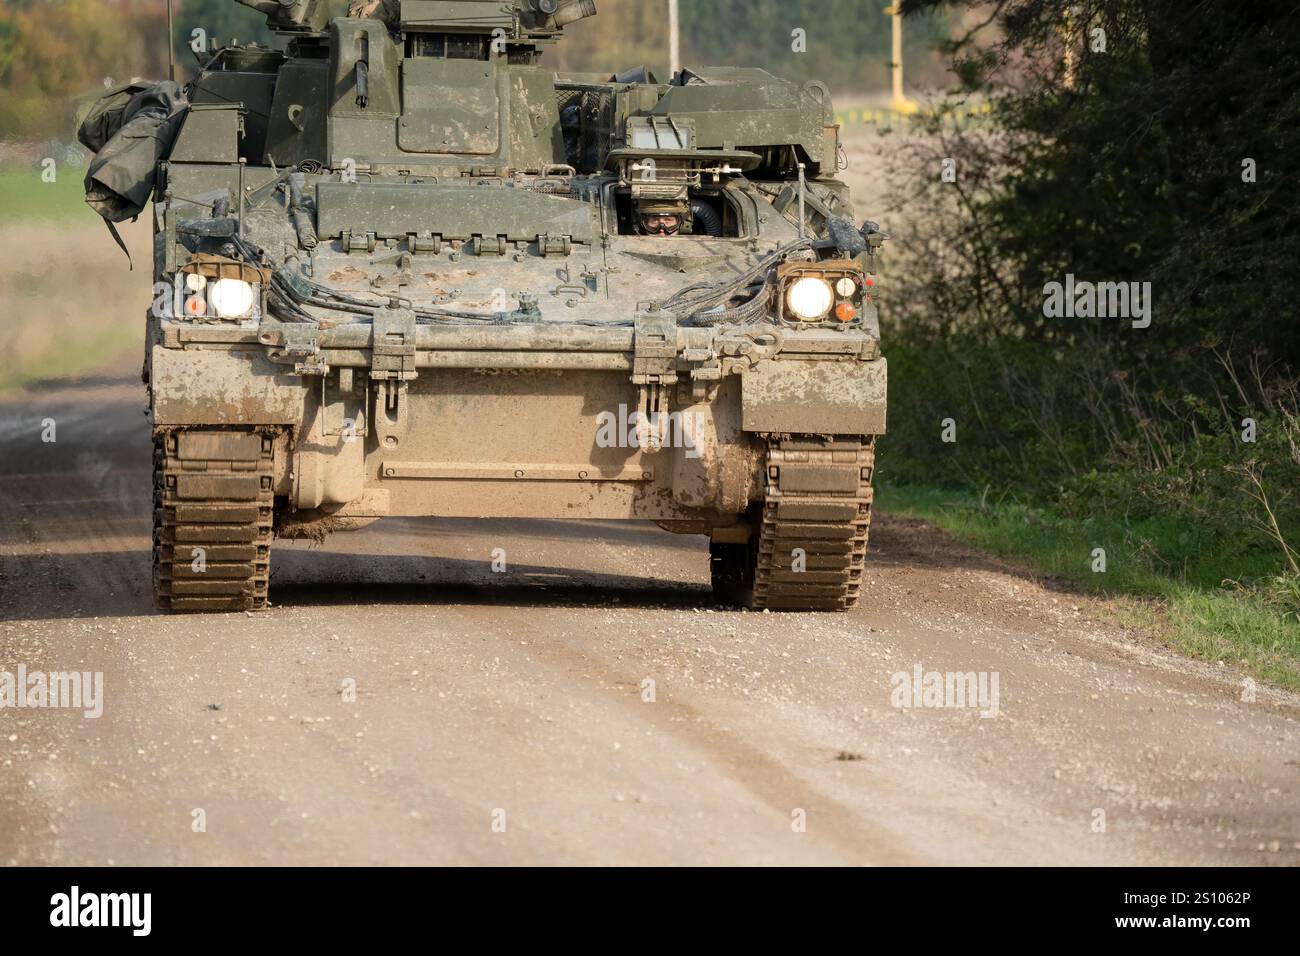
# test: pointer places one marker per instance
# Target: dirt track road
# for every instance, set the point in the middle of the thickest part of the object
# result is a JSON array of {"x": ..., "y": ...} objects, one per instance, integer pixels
[{"x": 522, "y": 692}]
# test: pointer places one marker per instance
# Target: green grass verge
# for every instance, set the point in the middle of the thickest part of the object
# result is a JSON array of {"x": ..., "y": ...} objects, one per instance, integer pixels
[
  {"x": 1195, "y": 599},
  {"x": 26, "y": 197},
  {"x": 71, "y": 303}
]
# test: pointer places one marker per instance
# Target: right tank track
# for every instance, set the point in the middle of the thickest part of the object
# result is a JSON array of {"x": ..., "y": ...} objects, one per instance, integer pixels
[{"x": 808, "y": 543}]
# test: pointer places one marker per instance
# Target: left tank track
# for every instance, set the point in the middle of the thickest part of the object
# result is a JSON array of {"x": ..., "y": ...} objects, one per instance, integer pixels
[{"x": 214, "y": 504}]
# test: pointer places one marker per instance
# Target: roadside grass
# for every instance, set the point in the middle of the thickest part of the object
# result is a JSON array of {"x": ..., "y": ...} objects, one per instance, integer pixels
[
  {"x": 1210, "y": 598},
  {"x": 62, "y": 322},
  {"x": 71, "y": 305},
  {"x": 25, "y": 197}
]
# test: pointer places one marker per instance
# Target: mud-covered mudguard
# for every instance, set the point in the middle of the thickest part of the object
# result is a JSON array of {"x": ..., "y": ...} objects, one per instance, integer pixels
[{"x": 789, "y": 396}]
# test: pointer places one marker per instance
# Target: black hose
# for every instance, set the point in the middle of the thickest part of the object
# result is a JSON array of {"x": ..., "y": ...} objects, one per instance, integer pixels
[{"x": 708, "y": 217}]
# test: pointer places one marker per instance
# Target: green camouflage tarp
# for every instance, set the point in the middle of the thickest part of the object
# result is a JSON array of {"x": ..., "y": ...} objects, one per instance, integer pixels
[{"x": 131, "y": 130}]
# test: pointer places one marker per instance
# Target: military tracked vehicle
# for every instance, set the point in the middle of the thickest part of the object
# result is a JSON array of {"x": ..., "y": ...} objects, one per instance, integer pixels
[{"x": 404, "y": 269}]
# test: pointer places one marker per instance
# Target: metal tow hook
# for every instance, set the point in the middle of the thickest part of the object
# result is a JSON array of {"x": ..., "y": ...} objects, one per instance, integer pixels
[
  {"x": 390, "y": 412},
  {"x": 651, "y": 422}
]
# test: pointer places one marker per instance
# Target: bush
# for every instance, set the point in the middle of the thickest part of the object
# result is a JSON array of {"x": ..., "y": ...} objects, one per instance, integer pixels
[{"x": 1126, "y": 164}]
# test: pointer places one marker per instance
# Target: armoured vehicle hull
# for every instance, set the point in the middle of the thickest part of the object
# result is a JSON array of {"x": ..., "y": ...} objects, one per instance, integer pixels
[{"x": 404, "y": 271}]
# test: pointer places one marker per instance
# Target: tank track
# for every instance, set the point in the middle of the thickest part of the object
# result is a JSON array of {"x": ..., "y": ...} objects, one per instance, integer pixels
[
  {"x": 818, "y": 499},
  {"x": 225, "y": 508}
]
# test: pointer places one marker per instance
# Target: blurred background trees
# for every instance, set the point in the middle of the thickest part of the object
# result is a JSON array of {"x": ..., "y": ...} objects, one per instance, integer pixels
[{"x": 53, "y": 50}]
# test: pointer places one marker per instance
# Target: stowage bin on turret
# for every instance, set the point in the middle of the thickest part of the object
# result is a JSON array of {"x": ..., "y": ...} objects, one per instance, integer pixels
[{"x": 402, "y": 269}]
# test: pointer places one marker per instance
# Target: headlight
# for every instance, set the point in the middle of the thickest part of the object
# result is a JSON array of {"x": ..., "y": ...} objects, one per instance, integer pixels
[
  {"x": 231, "y": 298},
  {"x": 810, "y": 298}
]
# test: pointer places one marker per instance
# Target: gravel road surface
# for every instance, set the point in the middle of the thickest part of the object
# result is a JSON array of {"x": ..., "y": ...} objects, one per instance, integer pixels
[{"x": 510, "y": 717}]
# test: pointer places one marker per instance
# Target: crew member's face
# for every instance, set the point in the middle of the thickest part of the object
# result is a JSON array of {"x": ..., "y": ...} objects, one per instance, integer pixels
[{"x": 658, "y": 225}]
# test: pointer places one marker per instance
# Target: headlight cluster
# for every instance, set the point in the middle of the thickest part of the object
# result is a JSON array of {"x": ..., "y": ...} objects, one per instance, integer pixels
[
  {"x": 203, "y": 297},
  {"x": 825, "y": 291}
]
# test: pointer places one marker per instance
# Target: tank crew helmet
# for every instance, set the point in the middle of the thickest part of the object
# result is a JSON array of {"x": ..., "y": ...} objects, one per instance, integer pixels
[{"x": 661, "y": 218}]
